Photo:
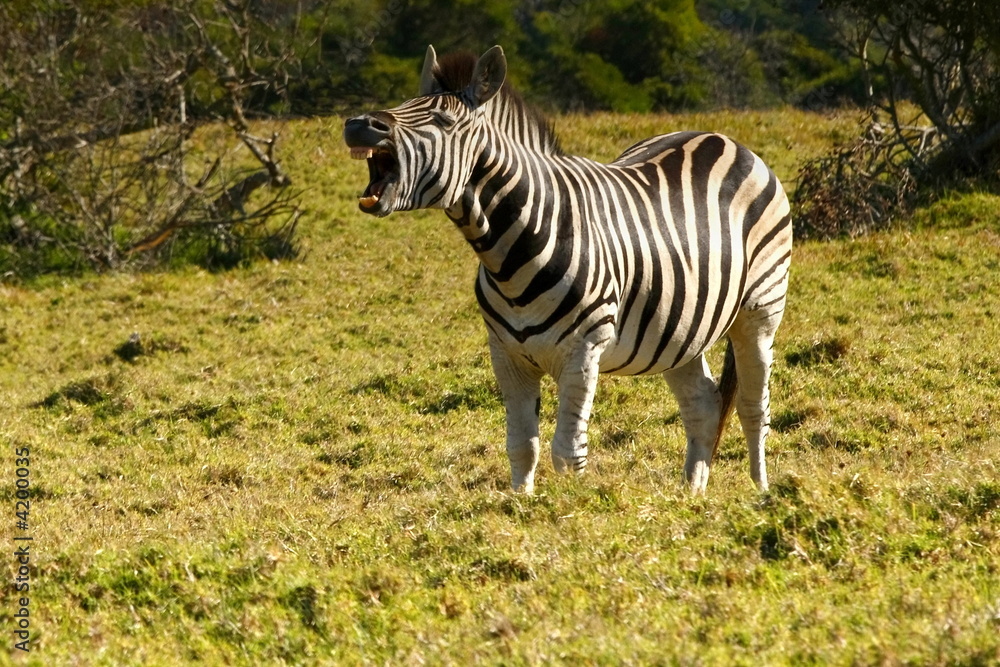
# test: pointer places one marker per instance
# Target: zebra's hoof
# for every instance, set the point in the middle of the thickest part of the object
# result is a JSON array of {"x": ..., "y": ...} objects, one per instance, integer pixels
[{"x": 527, "y": 487}]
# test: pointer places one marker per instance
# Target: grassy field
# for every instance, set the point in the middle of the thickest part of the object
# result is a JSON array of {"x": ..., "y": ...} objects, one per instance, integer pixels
[{"x": 302, "y": 463}]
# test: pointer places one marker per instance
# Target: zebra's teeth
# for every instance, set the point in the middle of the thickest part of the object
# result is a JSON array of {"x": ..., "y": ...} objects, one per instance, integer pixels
[
  {"x": 369, "y": 201},
  {"x": 361, "y": 153}
]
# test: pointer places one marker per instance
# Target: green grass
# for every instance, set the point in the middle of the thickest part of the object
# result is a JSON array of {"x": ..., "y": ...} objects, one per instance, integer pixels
[{"x": 302, "y": 463}]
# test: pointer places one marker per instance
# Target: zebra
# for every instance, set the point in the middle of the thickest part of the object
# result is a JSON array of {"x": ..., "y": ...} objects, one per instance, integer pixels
[{"x": 634, "y": 267}]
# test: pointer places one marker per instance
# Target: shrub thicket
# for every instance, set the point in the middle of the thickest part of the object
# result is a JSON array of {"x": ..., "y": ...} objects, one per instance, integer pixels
[{"x": 933, "y": 73}]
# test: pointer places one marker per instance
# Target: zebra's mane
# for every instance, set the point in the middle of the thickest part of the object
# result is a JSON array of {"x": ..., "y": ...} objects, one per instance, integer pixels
[{"x": 454, "y": 74}]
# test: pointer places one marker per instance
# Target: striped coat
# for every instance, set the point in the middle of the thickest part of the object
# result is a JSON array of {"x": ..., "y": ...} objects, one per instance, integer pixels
[{"x": 634, "y": 267}]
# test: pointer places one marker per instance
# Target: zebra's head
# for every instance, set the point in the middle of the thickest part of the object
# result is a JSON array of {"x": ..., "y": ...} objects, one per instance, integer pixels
[{"x": 420, "y": 153}]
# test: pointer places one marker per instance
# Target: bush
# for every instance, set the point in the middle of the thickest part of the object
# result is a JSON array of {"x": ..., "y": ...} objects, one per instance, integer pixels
[{"x": 857, "y": 188}]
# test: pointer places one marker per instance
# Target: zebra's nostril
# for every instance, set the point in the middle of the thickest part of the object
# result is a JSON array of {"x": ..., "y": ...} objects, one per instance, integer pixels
[{"x": 365, "y": 131}]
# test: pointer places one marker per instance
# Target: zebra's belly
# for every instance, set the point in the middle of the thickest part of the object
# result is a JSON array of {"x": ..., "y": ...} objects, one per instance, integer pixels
[
  {"x": 615, "y": 360},
  {"x": 645, "y": 348},
  {"x": 638, "y": 346}
]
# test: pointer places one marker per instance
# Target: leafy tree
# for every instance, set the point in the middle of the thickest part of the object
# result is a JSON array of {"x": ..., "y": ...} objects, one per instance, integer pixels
[
  {"x": 792, "y": 51},
  {"x": 625, "y": 55}
]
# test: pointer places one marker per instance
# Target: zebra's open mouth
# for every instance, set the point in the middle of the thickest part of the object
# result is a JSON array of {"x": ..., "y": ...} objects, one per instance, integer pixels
[{"x": 383, "y": 170}]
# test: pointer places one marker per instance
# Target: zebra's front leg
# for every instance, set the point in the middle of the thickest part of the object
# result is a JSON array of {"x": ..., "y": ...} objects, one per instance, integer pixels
[
  {"x": 520, "y": 386},
  {"x": 577, "y": 384},
  {"x": 700, "y": 407}
]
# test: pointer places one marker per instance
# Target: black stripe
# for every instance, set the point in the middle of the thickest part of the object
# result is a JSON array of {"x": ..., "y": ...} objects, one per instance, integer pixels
[
  {"x": 771, "y": 234},
  {"x": 671, "y": 166},
  {"x": 756, "y": 209},
  {"x": 738, "y": 172},
  {"x": 634, "y": 238},
  {"x": 760, "y": 281},
  {"x": 492, "y": 314}
]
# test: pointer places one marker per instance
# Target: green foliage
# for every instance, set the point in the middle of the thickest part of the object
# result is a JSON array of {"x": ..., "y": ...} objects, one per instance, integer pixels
[
  {"x": 620, "y": 54},
  {"x": 799, "y": 71},
  {"x": 588, "y": 82},
  {"x": 779, "y": 52},
  {"x": 449, "y": 25},
  {"x": 624, "y": 56}
]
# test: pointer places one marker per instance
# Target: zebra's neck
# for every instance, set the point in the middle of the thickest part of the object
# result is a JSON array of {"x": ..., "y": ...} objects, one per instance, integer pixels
[{"x": 509, "y": 206}]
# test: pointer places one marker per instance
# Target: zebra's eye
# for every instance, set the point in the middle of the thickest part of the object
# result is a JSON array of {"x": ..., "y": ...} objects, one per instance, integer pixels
[{"x": 443, "y": 118}]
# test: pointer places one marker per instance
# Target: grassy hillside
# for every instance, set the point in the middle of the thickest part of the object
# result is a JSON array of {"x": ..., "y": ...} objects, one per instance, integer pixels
[{"x": 302, "y": 463}]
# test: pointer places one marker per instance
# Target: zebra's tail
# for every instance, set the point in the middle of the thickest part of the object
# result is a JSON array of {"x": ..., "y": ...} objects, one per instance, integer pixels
[{"x": 727, "y": 390}]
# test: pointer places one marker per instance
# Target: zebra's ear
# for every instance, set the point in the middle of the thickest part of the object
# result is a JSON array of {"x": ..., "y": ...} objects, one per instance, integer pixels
[
  {"x": 428, "y": 84},
  {"x": 488, "y": 76}
]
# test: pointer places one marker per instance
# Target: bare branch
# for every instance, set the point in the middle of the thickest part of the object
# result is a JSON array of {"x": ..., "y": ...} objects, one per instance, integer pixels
[{"x": 96, "y": 158}]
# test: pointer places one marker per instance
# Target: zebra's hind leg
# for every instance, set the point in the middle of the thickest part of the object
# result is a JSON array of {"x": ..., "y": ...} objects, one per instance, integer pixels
[
  {"x": 752, "y": 337},
  {"x": 520, "y": 386},
  {"x": 700, "y": 407}
]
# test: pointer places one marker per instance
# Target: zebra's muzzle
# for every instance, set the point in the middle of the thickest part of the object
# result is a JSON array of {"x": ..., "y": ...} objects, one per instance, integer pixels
[{"x": 368, "y": 137}]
